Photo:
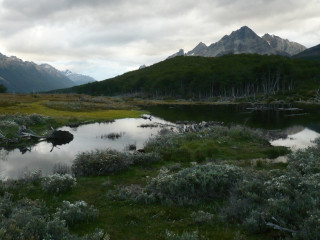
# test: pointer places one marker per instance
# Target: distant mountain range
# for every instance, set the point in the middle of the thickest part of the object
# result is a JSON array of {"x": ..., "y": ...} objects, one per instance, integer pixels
[
  {"x": 245, "y": 40},
  {"x": 77, "y": 78},
  {"x": 23, "y": 76}
]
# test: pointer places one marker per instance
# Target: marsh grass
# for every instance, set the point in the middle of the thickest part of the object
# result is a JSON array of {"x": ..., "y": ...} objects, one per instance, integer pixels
[
  {"x": 217, "y": 142},
  {"x": 113, "y": 108}
]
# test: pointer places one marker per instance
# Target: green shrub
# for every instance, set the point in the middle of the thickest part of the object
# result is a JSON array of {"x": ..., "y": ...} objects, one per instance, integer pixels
[
  {"x": 194, "y": 184},
  {"x": 26, "y": 119},
  {"x": 100, "y": 162},
  {"x": 183, "y": 236},
  {"x": 76, "y": 212},
  {"x": 58, "y": 183},
  {"x": 287, "y": 200},
  {"x": 143, "y": 158},
  {"x": 105, "y": 162},
  {"x": 201, "y": 217},
  {"x": 26, "y": 219}
]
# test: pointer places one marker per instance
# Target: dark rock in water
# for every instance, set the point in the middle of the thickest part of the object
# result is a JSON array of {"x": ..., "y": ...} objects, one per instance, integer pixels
[
  {"x": 60, "y": 137},
  {"x": 141, "y": 151},
  {"x": 59, "y": 134}
]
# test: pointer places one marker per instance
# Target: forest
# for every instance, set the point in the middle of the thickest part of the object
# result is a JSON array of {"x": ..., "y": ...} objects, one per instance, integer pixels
[{"x": 242, "y": 75}]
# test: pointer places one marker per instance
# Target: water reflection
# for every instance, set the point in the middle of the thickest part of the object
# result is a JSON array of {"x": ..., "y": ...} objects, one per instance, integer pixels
[
  {"x": 301, "y": 139},
  {"x": 45, "y": 155},
  {"x": 275, "y": 116}
]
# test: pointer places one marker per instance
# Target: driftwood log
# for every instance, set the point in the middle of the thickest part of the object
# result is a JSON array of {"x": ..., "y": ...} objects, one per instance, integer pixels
[{"x": 53, "y": 135}]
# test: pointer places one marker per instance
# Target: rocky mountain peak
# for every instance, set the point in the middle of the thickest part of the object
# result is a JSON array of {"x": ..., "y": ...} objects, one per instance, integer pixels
[
  {"x": 243, "y": 33},
  {"x": 245, "y": 40},
  {"x": 283, "y": 45},
  {"x": 180, "y": 53},
  {"x": 199, "y": 50}
]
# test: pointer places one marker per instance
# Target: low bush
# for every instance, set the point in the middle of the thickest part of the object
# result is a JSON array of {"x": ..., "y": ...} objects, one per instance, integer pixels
[
  {"x": 26, "y": 119},
  {"x": 188, "y": 186},
  {"x": 144, "y": 158},
  {"x": 194, "y": 184},
  {"x": 100, "y": 162},
  {"x": 287, "y": 201},
  {"x": 33, "y": 176},
  {"x": 26, "y": 219},
  {"x": 105, "y": 162},
  {"x": 76, "y": 212},
  {"x": 183, "y": 236},
  {"x": 201, "y": 217},
  {"x": 58, "y": 183}
]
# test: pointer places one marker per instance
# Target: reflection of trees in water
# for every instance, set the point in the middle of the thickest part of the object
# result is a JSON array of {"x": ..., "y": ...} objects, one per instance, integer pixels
[
  {"x": 3, "y": 155},
  {"x": 294, "y": 129}
]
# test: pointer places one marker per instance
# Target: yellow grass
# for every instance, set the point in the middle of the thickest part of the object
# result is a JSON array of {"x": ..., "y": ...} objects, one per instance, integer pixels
[{"x": 30, "y": 103}]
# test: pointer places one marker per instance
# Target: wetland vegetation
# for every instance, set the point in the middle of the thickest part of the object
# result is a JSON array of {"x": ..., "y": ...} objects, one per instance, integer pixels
[{"x": 213, "y": 183}]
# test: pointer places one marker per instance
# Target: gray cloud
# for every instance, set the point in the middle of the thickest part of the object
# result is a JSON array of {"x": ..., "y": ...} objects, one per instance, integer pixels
[{"x": 107, "y": 37}]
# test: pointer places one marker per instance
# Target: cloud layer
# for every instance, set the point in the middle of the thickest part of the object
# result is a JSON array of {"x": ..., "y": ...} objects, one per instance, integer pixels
[{"x": 104, "y": 38}]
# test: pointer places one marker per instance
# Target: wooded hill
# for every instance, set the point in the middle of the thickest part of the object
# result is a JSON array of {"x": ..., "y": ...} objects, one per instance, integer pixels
[
  {"x": 310, "y": 53},
  {"x": 198, "y": 77}
]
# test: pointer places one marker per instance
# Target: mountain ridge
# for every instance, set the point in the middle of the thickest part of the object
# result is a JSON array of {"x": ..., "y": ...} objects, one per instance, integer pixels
[
  {"x": 77, "y": 78},
  {"x": 245, "y": 40},
  {"x": 24, "y": 76}
]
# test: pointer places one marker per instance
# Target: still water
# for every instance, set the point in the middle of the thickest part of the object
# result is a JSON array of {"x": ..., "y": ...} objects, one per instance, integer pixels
[
  {"x": 89, "y": 137},
  {"x": 301, "y": 123},
  {"x": 279, "y": 116}
]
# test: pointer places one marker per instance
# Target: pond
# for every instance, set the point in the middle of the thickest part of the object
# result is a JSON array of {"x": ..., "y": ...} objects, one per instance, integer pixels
[
  {"x": 301, "y": 123},
  {"x": 279, "y": 116},
  {"x": 45, "y": 156}
]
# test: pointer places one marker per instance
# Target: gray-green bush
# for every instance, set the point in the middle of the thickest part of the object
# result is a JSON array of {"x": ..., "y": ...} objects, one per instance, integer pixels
[
  {"x": 58, "y": 183},
  {"x": 26, "y": 219},
  {"x": 194, "y": 184},
  {"x": 184, "y": 236},
  {"x": 284, "y": 200},
  {"x": 188, "y": 186},
  {"x": 99, "y": 162},
  {"x": 26, "y": 119},
  {"x": 105, "y": 162},
  {"x": 76, "y": 212}
]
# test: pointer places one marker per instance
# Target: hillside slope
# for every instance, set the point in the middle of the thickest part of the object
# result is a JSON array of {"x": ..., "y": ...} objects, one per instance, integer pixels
[
  {"x": 199, "y": 77},
  {"x": 311, "y": 53}
]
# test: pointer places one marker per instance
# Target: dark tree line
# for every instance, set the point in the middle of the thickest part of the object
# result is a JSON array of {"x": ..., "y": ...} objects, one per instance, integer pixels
[
  {"x": 199, "y": 77},
  {"x": 3, "y": 89}
]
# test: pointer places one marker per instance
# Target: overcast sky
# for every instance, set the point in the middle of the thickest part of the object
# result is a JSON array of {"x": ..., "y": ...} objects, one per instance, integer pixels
[{"x": 105, "y": 38}]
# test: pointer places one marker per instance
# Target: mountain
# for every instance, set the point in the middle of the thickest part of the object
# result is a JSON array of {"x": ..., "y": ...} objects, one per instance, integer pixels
[
  {"x": 310, "y": 53},
  {"x": 244, "y": 40},
  {"x": 180, "y": 53},
  {"x": 283, "y": 45},
  {"x": 19, "y": 76},
  {"x": 78, "y": 79},
  {"x": 199, "y": 50},
  {"x": 240, "y": 75}
]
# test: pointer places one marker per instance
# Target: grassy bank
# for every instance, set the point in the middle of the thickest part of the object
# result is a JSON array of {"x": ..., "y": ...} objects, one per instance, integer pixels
[
  {"x": 68, "y": 107},
  {"x": 134, "y": 204},
  {"x": 58, "y": 110}
]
